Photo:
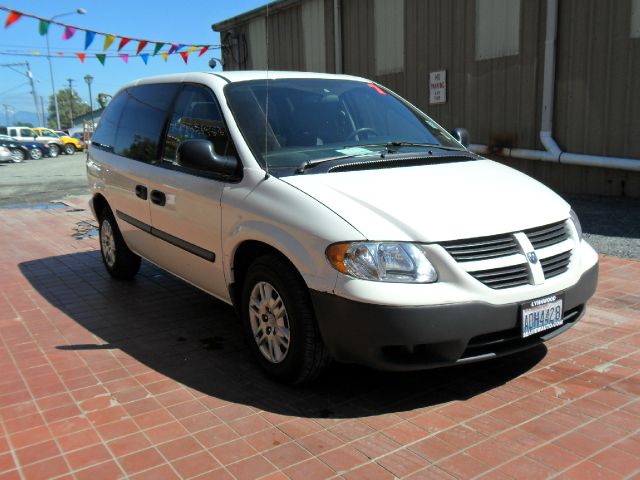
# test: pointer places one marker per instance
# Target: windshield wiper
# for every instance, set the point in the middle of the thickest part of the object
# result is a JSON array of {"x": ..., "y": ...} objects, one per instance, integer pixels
[
  {"x": 313, "y": 163},
  {"x": 390, "y": 146}
]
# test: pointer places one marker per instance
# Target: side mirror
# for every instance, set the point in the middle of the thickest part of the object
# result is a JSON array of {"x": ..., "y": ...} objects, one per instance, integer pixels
[
  {"x": 462, "y": 136},
  {"x": 199, "y": 154}
]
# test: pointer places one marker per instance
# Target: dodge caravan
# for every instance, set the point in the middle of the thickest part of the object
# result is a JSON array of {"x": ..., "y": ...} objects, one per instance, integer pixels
[{"x": 339, "y": 220}]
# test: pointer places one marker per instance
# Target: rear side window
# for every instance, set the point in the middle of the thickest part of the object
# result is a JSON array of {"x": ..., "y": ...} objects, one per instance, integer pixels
[
  {"x": 105, "y": 134},
  {"x": 142, "y": 121}
]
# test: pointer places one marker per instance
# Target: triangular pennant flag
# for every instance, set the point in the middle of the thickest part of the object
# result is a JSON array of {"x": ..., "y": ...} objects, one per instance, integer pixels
[
  {"x": 124, "y": 57},
  {"x": 174, "y": 47},
  {"x": 108, "y": 40},
  {"x": 141, "y": 45},
  {"x": 192, "y": 49},
  {"x": 12, "y": 18},
  {"x": 88, "y": 38},
  {"x": 43, "y": 28},
  {"x": 60, "y": 54},
  {"x": 165, "y": 55},
  {"x": 185, "y": 56},
  {"x": 180, "y": 47},
  {"x": 123, "y": 42},
  {"x": 81, "y": 56},
  {"x": 68, "y": 32},
  {"x": 157, "y": 48},
  {"x": 204, "y": 49},
  {"x": 144, "y": 57},
  {"x": 101, "y": 57}
]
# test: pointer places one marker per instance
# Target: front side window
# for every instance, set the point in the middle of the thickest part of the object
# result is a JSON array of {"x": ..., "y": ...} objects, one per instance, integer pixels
[
  {"x": 105, "y": 134},
  {"x": 196, "y": 116},
  {"x": 142, "y": 121},
  {"x": 27, "y": 132},
  {"x": 290, "y": 121}
]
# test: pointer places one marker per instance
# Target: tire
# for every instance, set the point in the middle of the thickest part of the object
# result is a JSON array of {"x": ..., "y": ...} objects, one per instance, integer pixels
[
  {"x": 35, "y": 153},
  {"x": 284, "y": 340},
  {"x": 69, "y": 148},
  {"x": 54, "y": 151},
  {"x": 120, "y": 262},
  {"x": 17, "y": 155}
]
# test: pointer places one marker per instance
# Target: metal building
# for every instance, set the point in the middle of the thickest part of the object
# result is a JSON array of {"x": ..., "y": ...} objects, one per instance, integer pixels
[{"x": 551, "y": 86}]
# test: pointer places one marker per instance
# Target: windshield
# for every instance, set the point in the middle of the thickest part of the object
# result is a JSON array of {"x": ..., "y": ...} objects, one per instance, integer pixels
[{"x": 312, "y": 119}]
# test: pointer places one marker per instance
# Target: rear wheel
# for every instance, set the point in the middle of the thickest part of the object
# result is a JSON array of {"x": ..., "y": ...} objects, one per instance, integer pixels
[
  {"x": 17, "y": 155},
  {"x": 69, "y": 148},
  {"x": 280, "y": 324},
  {"x": 35, "y": 153},
  {"x": 120, "y": 262}
]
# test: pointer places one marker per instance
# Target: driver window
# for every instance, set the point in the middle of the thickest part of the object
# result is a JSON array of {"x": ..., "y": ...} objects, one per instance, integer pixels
[{"x": 197, "y": 116}]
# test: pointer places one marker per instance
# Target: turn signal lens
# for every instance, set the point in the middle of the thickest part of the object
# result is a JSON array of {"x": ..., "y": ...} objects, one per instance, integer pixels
[{"x": 397, "y": 262}]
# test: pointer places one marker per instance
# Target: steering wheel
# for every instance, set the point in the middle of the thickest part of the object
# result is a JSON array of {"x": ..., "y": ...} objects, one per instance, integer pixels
[{"x": 356, "y": 133}]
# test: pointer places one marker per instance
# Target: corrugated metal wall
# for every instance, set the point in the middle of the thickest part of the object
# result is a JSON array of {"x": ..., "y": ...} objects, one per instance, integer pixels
[{"x": 497, "y": 99}]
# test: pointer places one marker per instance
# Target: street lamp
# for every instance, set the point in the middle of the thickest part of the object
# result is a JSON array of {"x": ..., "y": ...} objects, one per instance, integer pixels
[
  {"x": 88, "y": 78},
  {"x": 79, "y": 11}
]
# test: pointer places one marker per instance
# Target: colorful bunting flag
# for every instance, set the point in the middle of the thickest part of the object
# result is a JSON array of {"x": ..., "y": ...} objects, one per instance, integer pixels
[
  {"x": 144, "y": 57},
  {"x": 88, "y": 38},
  {"x": 43, "y": 28},
  {"x": 174, "y": 47},
  {"x": 68, "y": 32},
  {"x": 108, "y": 40},
  {"x": 141, "y": 45},
  {"x": 124, "y": 57},
  {"x": 180, "y": 47},
  {"x": 12, "y": 18},
  {"x": 123, "y": 42},
  {"x": 101, "y": 57},
  {"x": 60, "y": 54},
  {"x": 185, "y": 56},
  {"x": 81, "y": 56},
  {"x": 165, "y": 55},
  {"x": 192, "y": 49},
  {"x": 157, "y": 48},
  {"x": 204, "y": 49}
]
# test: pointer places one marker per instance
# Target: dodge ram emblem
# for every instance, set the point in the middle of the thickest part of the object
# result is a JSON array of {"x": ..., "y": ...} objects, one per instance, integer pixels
[{"x": 533, "y": 258}]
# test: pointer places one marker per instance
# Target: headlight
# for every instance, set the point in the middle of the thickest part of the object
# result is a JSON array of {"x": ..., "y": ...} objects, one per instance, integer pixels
[
  {"x": 382, "y": 261},
  {"x": 576, "y": 222}
]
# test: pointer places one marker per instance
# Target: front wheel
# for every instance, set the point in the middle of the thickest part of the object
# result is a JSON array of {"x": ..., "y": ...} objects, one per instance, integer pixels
[
  {"x": 120, "y": 262},
  {"x": 280, "y": 324},
  {"x": 35, "y": 153},
  {"x": 69, "y": 149},
  {"x": 54, "y": 151}
]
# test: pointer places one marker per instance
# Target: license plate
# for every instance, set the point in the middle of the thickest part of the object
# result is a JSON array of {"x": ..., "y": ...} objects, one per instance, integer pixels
[{"x": 541, "y": 314}]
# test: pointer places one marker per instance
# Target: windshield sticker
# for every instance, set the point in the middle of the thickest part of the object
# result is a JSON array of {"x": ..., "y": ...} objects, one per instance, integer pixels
[{"x": 357, "y": 151}]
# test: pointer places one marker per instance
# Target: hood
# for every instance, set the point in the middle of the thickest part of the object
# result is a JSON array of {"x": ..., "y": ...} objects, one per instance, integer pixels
[{"x": 437, "y": 202}]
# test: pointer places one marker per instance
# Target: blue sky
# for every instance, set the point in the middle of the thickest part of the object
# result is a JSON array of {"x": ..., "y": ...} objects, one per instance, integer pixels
[{"x": 171, "y": 21}]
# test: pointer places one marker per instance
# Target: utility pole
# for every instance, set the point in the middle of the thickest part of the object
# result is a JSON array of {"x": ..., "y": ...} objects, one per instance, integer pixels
[
  {"x": 70, "y": 80},
  {"x": 44, "y": 117},
  {"x": 6, "y": 113},
  {"x": 29, "y": 75}
]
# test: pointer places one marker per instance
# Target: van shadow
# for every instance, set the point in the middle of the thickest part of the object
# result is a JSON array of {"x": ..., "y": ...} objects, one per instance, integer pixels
[{"x": 196, "y": 340}]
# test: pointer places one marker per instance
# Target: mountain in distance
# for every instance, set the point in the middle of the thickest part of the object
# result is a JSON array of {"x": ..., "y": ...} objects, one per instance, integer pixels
[{"x": 22, "y": 116}]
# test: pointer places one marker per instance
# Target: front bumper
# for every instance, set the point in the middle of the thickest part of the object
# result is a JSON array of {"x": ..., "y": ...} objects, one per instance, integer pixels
[{"x": 413, "y": 338}]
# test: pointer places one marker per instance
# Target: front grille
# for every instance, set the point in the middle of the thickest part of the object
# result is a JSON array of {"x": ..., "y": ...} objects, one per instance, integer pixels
[
  {"x": 555, "y": 265},
  {"x": 547, "y": 235},
  {"x": 505, "y": 277},
  {"x": 481, "y": 248}
]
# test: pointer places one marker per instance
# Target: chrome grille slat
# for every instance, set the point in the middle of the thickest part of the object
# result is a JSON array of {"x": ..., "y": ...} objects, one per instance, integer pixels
[
  {"x": 555, "y": 265},
  {"x": 505, "y": 277},
  {"x": 547, "y": 235},
  {"x": 481, "y": 248}
]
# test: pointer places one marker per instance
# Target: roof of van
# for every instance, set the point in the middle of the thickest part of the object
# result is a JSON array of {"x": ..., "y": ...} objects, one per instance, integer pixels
[{"x": 239, "y": 76}]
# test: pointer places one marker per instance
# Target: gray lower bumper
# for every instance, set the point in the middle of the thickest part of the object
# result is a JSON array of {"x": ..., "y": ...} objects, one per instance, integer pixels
[{"x": 412, "y": 338}]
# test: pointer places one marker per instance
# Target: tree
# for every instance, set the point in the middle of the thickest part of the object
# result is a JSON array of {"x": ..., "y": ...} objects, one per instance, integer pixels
[
  {"x": 79, "y": 108},
  {"x": 24, "y": 124}
]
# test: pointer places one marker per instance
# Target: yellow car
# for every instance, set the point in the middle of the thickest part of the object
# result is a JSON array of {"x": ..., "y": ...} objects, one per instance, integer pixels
[{"x": 70, "y": 144}]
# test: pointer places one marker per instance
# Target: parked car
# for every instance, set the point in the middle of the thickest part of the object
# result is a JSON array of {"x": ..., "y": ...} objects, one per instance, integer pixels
[
  {"x": 25, "y": 134},
  {"x": 69, "y": 145},
  {"x": 5, "y": 154},
  {"x": 35, "y": 150},
  {"x": 80, "y": 137},
  {"x": 339, "y": 220},
  {"x": 17, "y": 150}
]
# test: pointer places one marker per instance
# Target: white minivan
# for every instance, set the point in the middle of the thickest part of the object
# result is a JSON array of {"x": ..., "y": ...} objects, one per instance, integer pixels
[{"x": 339, "y": 220}]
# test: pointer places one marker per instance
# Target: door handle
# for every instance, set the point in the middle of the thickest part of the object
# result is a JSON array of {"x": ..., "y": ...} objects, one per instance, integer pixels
[
  {"x": 141, "y": 192},
  {"x": 158, "y": 197}
]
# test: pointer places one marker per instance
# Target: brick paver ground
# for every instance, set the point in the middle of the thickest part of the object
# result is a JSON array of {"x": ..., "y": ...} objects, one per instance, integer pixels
[{"x": 150, "y": 379}]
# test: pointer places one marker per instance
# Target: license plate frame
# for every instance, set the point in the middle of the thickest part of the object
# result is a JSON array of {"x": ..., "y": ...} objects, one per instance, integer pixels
[{"x": 541, "y": 314}]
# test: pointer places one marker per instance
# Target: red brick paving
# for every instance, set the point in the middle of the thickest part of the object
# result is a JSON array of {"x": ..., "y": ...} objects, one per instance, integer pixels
[{"x": 151, "y": 379}]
